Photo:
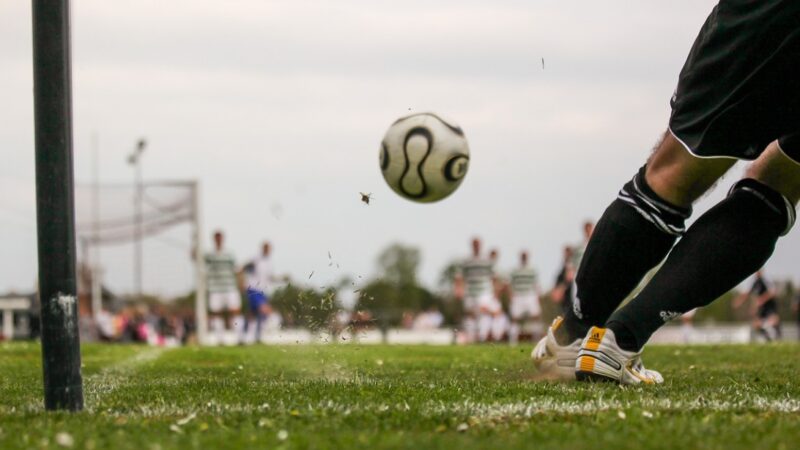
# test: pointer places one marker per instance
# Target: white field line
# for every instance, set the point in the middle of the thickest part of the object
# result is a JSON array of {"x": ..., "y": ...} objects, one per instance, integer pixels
[
  {"x": 483, "y": 411},
  {"x": 96, "y": 386},
  {"x": 111, "y": 378}
]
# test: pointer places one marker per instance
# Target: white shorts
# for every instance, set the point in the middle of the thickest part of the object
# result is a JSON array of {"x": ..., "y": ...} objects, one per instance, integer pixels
[
  {"x": 493, "y": 306},
  {"x": 224, "y": 301},
  {"x": 475, "y": 304},
  {"x": 525, "y": 306}
]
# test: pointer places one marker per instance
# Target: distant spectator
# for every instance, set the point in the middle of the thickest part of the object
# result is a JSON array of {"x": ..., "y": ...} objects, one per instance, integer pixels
[
  {"x": 429, "y": 319},
  {"x": 106, "y": 327}
]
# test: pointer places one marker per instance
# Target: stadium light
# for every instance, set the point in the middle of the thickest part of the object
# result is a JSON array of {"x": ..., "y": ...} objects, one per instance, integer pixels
[
  {"x": 55, "y": 214},
  {"x": 135, "y": 159}
]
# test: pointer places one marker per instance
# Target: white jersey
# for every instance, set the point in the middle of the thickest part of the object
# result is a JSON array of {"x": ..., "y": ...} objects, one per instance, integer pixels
[
  {"x": 478, "y": 276},
  {"x": 263, "y": 274}
]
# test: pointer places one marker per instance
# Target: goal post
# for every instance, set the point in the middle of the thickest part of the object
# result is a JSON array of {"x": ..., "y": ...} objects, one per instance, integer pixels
[
  {"x": 200, "y": 308},
  {"x": 55, "y": 213}
]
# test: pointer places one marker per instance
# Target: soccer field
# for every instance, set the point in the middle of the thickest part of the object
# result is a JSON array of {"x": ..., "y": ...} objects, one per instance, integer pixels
[{"x": 351, "y": 396}]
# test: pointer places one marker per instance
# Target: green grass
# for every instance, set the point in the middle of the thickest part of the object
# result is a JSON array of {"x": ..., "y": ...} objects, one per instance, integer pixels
[{"x": 350, "y": 396}]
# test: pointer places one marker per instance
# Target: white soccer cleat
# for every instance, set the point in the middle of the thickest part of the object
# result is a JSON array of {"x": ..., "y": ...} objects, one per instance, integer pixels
[
  {"x": 553, "y": 359},
  {"x": 600, "y": 358}
]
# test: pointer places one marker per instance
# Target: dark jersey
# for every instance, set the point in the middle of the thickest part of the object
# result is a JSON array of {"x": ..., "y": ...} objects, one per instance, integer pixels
[
  {"x": 561, "y": 279},
  {"x": 759, "y": 288}
]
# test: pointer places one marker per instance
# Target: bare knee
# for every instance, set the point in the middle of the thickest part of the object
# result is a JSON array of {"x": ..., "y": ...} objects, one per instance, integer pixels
[
  {"x": 776, "y": 170},
  {"x": 679, "y": 177}
]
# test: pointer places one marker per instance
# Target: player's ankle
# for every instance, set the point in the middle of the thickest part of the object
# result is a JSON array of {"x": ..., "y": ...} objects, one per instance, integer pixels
[
  {"x": 626, "y": 340},
  {"x": 570, "y": 330}
]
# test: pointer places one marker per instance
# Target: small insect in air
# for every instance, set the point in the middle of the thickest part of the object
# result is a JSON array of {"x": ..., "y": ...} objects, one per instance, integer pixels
[{"x": 366, "y": 197}]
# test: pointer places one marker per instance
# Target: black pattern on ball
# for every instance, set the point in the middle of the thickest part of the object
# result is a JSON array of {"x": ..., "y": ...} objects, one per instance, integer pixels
[
  {"x": 456, "y": 168},
  {"x": 384, "y": 157},
  {"x": 425, "y": 133},
  {"x": 454, "y": 128}
]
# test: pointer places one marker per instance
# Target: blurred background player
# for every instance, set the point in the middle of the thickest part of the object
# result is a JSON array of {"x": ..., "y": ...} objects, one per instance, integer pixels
[
  {"x": 687, "y": 326},
  {"x": 264, "y": 272},
  {"x": 580, "y": 249},
  {"x": 562, "y": 290},
  {"x": 766, "y": 320},
  {"x": 492, "y": 321},
  {"x": 796, "y": 310},
  {"x": 259, "y": 280},
  {"x": 257, "y": 303},
  {"x": 224, "y": 299},
  {"x": 525, "y": 294},
  {"x": 474, "y": 285}
]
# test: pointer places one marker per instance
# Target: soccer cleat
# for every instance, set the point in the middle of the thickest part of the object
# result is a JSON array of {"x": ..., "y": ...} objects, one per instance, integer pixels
[
  {"x": 601, "y": 359},
  {"x": 553, "y": 359}
]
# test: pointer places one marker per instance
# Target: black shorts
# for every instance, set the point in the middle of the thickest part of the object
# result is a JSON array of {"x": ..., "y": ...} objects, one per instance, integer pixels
[
  {"x": 739, "y": 89},
  {"x": 769, "y": 308}
]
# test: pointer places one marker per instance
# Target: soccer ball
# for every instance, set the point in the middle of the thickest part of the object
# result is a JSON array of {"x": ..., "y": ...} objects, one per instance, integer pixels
[{"x": 423, "y": 157}]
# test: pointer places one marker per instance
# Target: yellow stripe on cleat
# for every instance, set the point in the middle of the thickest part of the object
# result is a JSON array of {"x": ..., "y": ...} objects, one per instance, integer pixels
[{"x": 586, "y": 364}]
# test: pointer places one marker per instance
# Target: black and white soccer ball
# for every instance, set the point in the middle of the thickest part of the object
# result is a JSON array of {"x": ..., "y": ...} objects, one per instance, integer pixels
[{"x": 423, "y": 157}]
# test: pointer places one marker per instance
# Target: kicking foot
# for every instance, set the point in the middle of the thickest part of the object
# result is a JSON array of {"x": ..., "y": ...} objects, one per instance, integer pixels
[{"x": 601, "y": 359}]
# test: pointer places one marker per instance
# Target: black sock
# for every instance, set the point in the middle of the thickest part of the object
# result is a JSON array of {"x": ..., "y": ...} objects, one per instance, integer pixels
[
  {"x": 727, "y": 244},
  {"x": 634, "y": 234}
]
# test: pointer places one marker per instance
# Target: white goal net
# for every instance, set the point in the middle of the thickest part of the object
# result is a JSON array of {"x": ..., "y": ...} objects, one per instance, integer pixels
[{"x": 108, "y": 215}]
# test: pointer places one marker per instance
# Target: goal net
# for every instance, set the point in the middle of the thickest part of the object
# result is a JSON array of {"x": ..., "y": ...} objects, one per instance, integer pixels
[{"x": 108, "y": 215}]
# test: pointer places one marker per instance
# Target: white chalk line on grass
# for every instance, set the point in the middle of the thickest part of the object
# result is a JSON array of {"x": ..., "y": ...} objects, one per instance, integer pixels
[
  {"x": 485, "y": 411},
  {"x": 111, "y": 378},
  {"x": 100, "y": 384}
]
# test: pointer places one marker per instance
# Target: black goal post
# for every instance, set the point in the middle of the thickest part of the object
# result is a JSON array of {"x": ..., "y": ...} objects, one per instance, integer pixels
[{"x": 55, "y": 213}]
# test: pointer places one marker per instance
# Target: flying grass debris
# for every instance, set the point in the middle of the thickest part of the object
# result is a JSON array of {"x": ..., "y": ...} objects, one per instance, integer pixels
[{"x": 65, "y": 439}]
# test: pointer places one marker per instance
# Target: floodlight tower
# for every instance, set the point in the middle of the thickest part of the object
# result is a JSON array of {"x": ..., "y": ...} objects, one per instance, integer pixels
[
  {"x": 135, "y": 159},
  {"x": 55, "y": 211}
]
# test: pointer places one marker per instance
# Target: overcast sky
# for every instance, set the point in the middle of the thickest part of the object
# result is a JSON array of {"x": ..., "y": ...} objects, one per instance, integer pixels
[{"x": 278, "y": 109}]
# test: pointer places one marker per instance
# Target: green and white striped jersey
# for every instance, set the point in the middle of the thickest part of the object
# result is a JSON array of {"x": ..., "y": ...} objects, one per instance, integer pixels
[
  {"x": 478, "y": 276},
  {"x": 577, "y": 255},
  {"x": 524, "y": 281},
  {"x": 220, "y": 272}
]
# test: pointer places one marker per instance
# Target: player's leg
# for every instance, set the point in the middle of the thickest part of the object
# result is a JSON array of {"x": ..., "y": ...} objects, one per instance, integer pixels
[
  {"x": 261, "y": 312},
  {"x": 637, "y": 231},
  {"x": 484, "y": 325},
  {"x": 516, "y": 320},
  {"x": 513, "y": 331},
  {"x": 470, "y": 320},
  {"x": 216, "y": 314},
  {"x": 233, "y": 308},
  {"x": 727, "y": 244}
]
